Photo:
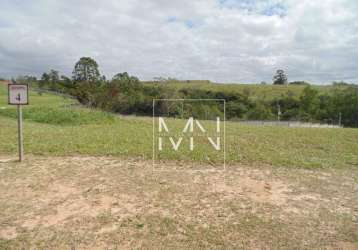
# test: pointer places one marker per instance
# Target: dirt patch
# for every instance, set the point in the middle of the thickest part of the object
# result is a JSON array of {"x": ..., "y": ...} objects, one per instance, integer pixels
[
  {"x": 78, "y": 206},
  {"x": 106, "y": 202},
  {"x": 273, "y": 192},
  {"x": 8, "y": 233},
  {"x": 348, "y": 246},
  {"x": 59, "y": 190}
]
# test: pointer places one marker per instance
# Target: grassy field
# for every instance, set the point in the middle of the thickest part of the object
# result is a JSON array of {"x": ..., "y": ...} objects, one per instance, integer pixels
[
  {"x": 87, "y": 183},
  {"x": 57, "y": 126}
]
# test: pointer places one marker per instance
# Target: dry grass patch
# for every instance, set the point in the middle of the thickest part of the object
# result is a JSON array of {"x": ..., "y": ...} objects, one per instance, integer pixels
[{"x": 107, "y": 202}]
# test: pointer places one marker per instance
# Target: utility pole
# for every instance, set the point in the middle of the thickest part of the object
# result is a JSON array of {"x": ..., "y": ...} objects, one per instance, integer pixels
[
  {"x": 278, "y": 112},
  {"x": 340, "y": 119}
]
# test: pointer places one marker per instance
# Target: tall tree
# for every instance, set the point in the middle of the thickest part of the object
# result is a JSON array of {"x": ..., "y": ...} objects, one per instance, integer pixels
[
  {"x": 280, "y": 77},
  {"x": 50, "y": 79},
  {"x": 53, "y": 76},
  {"x": 86, "y": 69},
  {"x": 126, "y": 82},
  {"x": 45, "y": 77}
]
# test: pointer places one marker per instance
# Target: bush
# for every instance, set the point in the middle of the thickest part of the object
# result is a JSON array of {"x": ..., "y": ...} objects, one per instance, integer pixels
[{"x": 260, "y": 111}]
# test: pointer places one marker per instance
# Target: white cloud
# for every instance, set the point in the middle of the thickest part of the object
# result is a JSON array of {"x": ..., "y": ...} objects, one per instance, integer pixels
[{"x": 224, "y": 41}]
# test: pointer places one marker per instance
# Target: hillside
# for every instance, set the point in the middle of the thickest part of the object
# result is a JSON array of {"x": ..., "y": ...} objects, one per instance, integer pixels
[{"x": 255, "y": 91}]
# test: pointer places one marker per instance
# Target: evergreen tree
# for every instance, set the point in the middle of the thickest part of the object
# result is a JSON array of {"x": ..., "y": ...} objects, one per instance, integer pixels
[{"x": 280, "y": 78}]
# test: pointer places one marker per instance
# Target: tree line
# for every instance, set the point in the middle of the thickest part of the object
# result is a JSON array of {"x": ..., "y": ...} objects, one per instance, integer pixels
[{"x": 126, "y": 94}]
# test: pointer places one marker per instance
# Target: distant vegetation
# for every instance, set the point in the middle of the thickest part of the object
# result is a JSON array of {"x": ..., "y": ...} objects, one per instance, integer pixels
[{"x": 126, "y": 94}]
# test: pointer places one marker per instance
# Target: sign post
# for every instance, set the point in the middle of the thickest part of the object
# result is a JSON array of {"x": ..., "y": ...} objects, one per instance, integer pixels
[
  {"x": 19, "y": 131},
  {"x": 18, "y": 95}
]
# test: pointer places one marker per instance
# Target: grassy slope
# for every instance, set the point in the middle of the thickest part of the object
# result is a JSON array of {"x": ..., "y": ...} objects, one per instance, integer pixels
[
  {"x": 92, "y": 132},
  {"x": 256, "y": 91}
]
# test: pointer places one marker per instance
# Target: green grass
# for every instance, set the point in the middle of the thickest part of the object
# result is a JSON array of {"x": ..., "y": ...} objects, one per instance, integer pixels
[
  {"x": 60, "y": 116},
  {"x": 57, "y": 126}
]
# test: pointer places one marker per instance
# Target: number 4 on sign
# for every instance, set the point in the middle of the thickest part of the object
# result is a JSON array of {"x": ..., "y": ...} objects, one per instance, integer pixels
[{"x": 18, "y": 95}]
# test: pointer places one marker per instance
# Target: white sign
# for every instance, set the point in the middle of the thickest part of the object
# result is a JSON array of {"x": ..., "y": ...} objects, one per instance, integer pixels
[{"x": 18, "y": 94}]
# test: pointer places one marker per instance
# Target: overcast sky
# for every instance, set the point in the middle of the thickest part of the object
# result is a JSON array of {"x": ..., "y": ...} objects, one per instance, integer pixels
[{"x": 220, "y": 40}]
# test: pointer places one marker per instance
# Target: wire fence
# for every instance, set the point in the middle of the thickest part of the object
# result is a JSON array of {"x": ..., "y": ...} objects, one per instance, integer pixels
[
  {"x": 294, "y": 124},
  {"x": 54, "y": 92}
]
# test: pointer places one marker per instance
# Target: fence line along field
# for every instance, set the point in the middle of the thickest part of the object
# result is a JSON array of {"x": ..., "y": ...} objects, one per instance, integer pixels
[{"x": 87, "y": 183}]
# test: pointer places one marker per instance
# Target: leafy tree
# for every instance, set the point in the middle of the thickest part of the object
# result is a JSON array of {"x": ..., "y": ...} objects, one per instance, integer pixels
[
  {"x": 53, "y": 76},
  {"x": 123, "y": 94},
  {"x": 50, "y": 79},
  {"x": 289, "y": 107},
  {"x": 126, "y": 82},
  {"x": 326, "y": 111},
  {"x": 309, "y": 103},
  {"x": 280, "y": 77},
  {"x": 346, "y": 102},
  {"x": 86, "y": 70},
  {"x": 260, "y": 111},
  {"x": 86, "y": 93},
  {"x": 45, "y": 79},
  {"x": 54, "y": 79},
  {"x": 66, "y": 82},
  {"x": 124, "y": 77},
  {"x": 236, "y": 109}
]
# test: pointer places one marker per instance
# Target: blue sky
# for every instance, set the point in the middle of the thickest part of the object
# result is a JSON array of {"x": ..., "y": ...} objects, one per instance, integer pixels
[{"x": 220, "y": 40}]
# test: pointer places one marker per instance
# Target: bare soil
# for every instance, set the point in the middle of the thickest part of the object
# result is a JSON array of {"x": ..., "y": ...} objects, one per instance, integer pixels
[{"x": 113, "y": 203}]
